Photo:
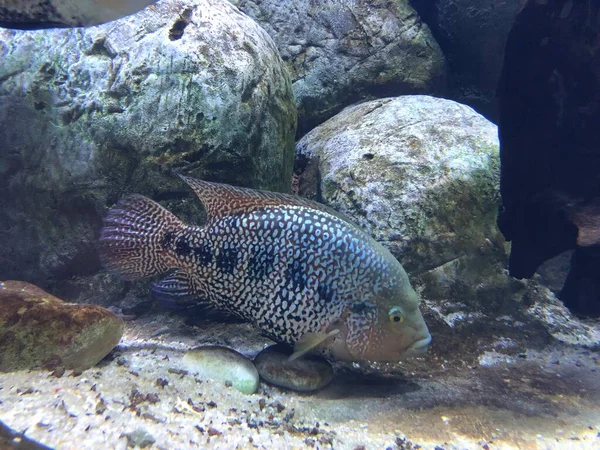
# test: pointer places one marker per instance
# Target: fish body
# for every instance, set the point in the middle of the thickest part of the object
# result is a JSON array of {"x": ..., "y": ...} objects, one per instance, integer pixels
[
  {"x": 296, "y": 269},
  {"x": 38, "y": 14}
]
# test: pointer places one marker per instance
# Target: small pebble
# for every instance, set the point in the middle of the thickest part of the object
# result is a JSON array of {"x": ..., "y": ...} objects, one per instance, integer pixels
[
  {"x": 140, "y": 438},
  {"x": 305, "y": 374},
  {"x": 222, "y": 364},
  {"x": 278, "y": 406},
  {"x": 214, "y": 432},
  {"x": 100, "y": 407}
]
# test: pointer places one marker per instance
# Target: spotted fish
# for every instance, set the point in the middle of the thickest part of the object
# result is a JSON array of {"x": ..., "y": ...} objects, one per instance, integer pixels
[
  {"x": 296, "y": 269},
  {"x": 36, "y": 14}
]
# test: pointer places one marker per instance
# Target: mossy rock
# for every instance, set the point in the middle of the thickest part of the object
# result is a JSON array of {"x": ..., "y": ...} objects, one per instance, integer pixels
[
  {"x": 90, "y": 115},
  {"x": 38, "y": 330},
  {"x": 420, "y": 173}
]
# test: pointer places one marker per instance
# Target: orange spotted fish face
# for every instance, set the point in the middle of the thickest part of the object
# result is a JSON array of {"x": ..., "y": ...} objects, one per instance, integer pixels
[{"x": 386, "y": 327}]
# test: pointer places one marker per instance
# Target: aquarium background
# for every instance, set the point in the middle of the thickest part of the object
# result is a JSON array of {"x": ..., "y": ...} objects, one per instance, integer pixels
[{"x": 460, "y": 134}]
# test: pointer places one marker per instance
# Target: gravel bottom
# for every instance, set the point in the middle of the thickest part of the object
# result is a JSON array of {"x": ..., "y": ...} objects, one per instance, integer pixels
[{"x": 139, "y": 396}]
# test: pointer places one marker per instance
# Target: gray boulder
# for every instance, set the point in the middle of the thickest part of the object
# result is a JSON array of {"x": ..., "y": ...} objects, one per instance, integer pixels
[
  {"x": 88, "y": 115},
  {"x": 340, "y": 52},
  {"x": 421, "y": 174}
]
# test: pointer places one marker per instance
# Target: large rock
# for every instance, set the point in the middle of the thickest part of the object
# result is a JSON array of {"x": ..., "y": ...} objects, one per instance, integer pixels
[
  {"x": 40, "y": 330},
  {"x": 422, "y": 175},
  {"x": 89, "y": 114},
  {"x": 340, "y": 52},
  {"x": 472, "y": 34},
  {"x": 549, "y": 98}
]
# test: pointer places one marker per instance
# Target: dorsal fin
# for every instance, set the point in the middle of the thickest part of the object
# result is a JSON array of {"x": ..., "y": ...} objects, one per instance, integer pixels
[{"x": 224, "y": 199}]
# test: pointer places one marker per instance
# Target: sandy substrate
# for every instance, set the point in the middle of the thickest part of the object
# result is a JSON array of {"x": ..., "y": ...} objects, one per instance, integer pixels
[{"x": 537, "y": 400}]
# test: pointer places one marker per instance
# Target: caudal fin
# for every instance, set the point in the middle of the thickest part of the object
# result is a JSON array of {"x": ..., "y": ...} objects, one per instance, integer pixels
[{"x": 135, "y": 238}]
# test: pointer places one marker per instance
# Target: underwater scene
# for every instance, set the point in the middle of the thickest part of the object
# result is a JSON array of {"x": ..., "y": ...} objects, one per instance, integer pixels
[{"x": 300, "y": 224}]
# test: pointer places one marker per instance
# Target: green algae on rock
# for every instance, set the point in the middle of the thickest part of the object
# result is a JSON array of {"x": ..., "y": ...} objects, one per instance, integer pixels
[
  {"x": 40, "y": 330},
  {"x": 139, "y": 438},
  {"x": 90, "y": 114},
  {"x": 305, "y": 374},
  {"x": 222, "y": 364},
  {"x": 421, "y": 173}
]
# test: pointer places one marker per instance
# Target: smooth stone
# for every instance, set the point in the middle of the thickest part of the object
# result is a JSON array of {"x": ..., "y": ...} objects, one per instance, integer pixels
[
  {"x": 139, "y": 438},
  {"x": 305, "y": 374},
  {"x": 40, "y": 330},
  {"x": 222, "y": 364}
]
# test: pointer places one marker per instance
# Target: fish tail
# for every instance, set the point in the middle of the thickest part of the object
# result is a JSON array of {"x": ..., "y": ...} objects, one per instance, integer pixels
[{"x": 135, "y": 236}]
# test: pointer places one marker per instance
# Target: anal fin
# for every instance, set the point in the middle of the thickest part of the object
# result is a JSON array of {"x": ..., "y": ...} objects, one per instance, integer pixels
[{"x": 178, "y": 288}]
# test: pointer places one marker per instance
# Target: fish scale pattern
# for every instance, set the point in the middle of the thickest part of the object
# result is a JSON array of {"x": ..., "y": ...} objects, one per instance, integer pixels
[
  {"x": 289, "y": 269},
  {"x": 298, "y": 271}
]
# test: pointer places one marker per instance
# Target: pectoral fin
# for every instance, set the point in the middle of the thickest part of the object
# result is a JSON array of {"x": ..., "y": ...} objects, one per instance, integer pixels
[{"x": 309, "y": 341}]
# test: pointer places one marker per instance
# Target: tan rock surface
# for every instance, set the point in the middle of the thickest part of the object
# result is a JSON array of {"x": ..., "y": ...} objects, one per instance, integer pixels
[{"x": 40, "y": 330}]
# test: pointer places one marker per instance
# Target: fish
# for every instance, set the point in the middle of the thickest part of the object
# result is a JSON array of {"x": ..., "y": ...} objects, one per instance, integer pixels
[
  {"x": 41, "y": 14},
  {"x": 299, "y": 271}
]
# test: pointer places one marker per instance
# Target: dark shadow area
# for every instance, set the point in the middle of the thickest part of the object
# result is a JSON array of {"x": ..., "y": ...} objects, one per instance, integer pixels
[
  {"x": 349, "y": 384},
  {"x": 549, "y": 110}
]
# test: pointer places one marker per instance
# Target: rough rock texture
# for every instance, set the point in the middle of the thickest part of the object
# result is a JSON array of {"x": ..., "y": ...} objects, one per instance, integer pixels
[
  {"x": 421, "y": 174},
  {"x": 89, "y": 114},
  {"x": 549, "y": 98},
  {"x": 554, "y": 271},
  {"x": 340, "y": 52},
  {"x": 418, "y": 172},
  {"x": 40, "y": 330},
  {"x": 472, "y": 34}
]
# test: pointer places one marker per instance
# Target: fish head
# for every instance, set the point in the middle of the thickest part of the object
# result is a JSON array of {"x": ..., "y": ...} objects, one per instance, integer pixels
[{"x": 387, "y": 327}]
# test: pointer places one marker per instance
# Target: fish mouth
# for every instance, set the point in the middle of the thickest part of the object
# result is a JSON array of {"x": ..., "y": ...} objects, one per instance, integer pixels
[{"x": 419, "y": 347}]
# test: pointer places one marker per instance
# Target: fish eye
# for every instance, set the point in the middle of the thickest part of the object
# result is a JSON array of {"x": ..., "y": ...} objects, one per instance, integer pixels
[{"x": 396, "y": 316}]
